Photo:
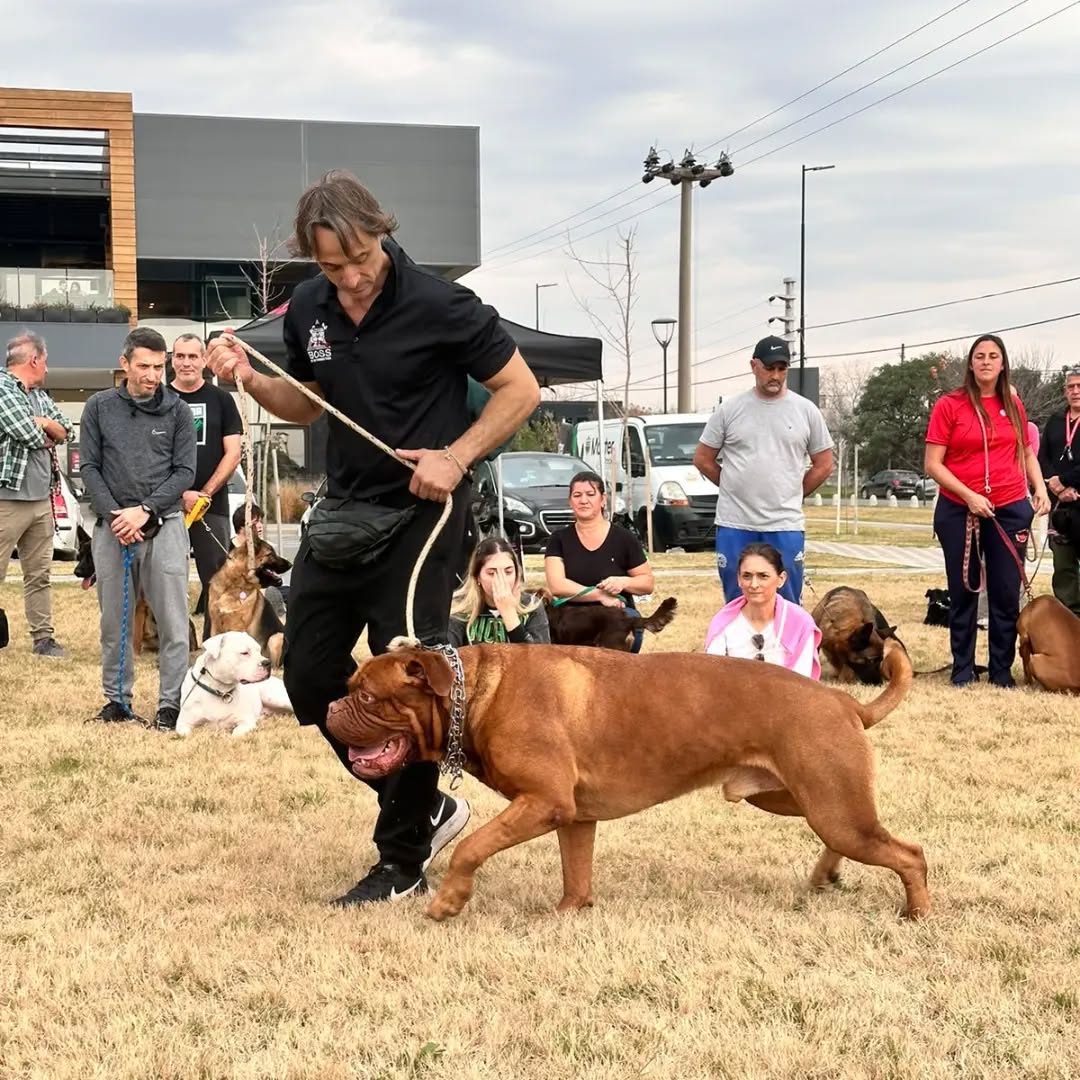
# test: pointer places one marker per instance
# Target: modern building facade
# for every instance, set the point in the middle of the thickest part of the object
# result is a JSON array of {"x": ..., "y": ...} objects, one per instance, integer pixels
[{"x": 110, "y": 217}]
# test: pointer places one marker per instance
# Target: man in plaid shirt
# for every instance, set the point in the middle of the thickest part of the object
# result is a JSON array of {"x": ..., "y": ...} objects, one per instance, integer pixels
[{"x": 30, "y": 426}]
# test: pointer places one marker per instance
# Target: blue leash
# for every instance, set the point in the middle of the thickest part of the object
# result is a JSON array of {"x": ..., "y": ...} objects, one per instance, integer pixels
[{"x": 129, "y": 562}]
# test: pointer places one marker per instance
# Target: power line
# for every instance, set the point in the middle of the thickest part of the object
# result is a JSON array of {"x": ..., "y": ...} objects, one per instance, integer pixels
[
  {"x": 881, "y": 78},
  {"x": 944, "y": 304},
  {"x": 520, "y": 241},
  {"x": 731, "y": 315},
  {"x": 838, "y": 75},
  {"x": 944, "y": 341},
  {"x": 911, "y": 86},
  {"x": 816, "y": 131}
]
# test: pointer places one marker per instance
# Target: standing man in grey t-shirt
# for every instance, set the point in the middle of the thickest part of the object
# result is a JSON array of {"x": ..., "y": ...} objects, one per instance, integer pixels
[{"x": 763, "y": 438}]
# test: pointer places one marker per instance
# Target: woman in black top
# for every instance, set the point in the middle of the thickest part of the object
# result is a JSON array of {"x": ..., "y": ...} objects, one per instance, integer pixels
[{"x": 594, "y": 561}]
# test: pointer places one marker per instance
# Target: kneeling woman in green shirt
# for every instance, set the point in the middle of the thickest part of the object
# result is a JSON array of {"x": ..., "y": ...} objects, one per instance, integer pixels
[{"x": 491, "y": 608}]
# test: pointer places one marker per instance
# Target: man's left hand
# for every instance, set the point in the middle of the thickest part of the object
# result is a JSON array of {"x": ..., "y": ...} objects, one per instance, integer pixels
[
  {"x": 436, "y": 476},
  {"x": 127, "y": 524}
]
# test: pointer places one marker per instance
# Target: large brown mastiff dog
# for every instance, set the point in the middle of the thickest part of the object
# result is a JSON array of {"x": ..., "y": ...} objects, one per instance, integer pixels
[
  {"x": 1049, "y": 638},
  {"x": 573, "y": 736}
]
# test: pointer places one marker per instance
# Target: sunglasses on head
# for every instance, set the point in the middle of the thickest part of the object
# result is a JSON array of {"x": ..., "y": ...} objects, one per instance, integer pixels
[{"x": 758, "y": 641}]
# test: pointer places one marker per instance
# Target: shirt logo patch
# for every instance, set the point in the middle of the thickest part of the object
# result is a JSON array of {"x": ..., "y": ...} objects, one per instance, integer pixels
[{"x": 317, "y": 348}]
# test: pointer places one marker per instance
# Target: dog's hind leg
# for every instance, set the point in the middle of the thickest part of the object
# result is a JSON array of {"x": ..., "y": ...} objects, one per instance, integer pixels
[
  {"x": 827, "y": 869},
  {"x": 274, "y": 648},
  {"x": 576, "y": 849},
  {"x": 1025, "y": 658},
  {"x": 527, "y": 817}
]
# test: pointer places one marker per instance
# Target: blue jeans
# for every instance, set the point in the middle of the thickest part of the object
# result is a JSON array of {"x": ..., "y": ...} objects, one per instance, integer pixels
[{"x": 729, "y": 546}]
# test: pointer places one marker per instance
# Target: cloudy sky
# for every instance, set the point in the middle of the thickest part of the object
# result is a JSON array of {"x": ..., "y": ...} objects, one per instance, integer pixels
[{"x": 966, "y": 184}]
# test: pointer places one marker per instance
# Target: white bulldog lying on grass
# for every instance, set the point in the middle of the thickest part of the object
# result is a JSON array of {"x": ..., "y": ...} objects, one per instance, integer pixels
[{"x": 230, "y": 687}]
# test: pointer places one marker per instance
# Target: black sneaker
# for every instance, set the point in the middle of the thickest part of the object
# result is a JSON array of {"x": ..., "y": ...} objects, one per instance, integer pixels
[
  {"x": 166, "y": 718},
  {"x": 384, "y": 881},
  {"x": 50, "y": 648},
  {"x": 115, "y": 713},
  {"x": 450, "y": 817}
]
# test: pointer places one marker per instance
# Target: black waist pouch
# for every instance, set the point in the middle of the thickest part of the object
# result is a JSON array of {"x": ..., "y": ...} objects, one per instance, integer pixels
[{"x": 343, "y": 534}]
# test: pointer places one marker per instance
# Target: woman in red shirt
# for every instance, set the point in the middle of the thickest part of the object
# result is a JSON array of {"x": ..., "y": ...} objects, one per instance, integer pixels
[{"x": 978, "y": 451}]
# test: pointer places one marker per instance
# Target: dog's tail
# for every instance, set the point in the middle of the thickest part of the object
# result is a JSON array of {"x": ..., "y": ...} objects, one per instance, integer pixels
[
  {"x": 896, "y": 667},
  {"x": 658, "y": 619}
]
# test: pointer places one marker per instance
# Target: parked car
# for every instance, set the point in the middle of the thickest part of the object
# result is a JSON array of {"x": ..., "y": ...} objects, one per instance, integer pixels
[
  {"x": 926, "y": 488},
  {"x": 898, "y": 482},
  {"x": 68, "y": 517}
]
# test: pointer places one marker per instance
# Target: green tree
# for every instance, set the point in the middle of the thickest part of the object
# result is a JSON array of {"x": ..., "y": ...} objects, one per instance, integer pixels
[
  {"x": 894, "y": 409},
  {"x": 540, "y": 433}
]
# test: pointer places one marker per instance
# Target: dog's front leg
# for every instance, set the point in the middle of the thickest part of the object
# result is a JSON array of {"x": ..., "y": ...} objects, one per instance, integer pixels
[
  {"x": 527, "y": 817},
  {"x": 576, "y": 849}
]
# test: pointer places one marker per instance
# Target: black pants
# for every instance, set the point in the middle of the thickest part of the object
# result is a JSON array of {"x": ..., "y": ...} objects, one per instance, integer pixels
[
  {"x": 210, "y": 556},
  {"x": 329, "y": 609},
  {"x": 1002, "y": 586}
]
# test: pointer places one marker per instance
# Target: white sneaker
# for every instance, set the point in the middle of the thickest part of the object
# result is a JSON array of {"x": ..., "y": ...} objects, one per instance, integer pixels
[{"x": 449, "y": 818}]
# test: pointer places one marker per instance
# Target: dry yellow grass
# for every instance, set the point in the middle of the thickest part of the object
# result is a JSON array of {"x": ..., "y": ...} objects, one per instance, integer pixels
[{"x": 163, "y": 915}]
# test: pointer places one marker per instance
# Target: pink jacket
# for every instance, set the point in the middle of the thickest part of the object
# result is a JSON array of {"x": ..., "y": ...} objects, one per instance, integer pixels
[{"x": 792, "y": 624}]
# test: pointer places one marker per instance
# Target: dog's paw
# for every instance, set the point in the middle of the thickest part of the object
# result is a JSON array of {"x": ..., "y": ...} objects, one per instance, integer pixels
[{"x": 402, "y": 641}]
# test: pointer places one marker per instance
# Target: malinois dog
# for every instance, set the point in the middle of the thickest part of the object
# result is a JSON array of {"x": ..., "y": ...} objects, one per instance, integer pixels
[
  {"x": 235, "y": 599},
  {"x": 853, "y": 635}
]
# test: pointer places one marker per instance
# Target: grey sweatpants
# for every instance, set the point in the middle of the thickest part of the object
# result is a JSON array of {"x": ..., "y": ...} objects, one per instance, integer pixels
[{"x": 160, "y": 570}]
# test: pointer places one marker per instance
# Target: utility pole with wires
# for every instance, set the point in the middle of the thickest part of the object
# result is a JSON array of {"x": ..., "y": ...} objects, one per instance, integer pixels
[
  {"x": 688, "y": 172},
  {"x": 788, "y": 318}
]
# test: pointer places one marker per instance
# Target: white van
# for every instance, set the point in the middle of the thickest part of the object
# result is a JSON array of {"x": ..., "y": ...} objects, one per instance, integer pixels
[{"x": 683, "y": 501}]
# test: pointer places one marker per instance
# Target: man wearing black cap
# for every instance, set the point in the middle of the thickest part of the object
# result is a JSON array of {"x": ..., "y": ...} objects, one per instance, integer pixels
[{"x": 764, "y": 438}]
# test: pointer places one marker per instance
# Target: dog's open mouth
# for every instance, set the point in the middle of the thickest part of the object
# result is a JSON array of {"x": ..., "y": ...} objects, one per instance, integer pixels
[{"x": 378, "y": 760}]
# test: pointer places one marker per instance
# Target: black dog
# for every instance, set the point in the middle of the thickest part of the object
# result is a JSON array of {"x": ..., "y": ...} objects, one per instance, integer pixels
[
  {"x": 937, "y": 607},
  {"x": 4, "y": 636}
]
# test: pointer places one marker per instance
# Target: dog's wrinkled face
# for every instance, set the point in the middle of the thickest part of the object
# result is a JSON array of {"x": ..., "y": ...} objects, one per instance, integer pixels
[
  {"x": 234, "y": 657},
  {"x": 394, "y": 712}
]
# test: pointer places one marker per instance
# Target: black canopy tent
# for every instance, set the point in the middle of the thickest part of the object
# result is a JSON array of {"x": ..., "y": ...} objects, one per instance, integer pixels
[{"x": 555, "y": 359}]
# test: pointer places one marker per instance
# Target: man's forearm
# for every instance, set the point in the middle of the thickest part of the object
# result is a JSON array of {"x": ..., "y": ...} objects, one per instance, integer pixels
[
  {"x": 814, "y": 478},
  {"x": 503, "y": 415},
  {"x": 223, "y": 473},
  {"x": 282, "y": 399}
]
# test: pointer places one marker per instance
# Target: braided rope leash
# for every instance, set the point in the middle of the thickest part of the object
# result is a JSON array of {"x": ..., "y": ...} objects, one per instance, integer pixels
[
  {"x": 249, "y": 479},
  {"x": 352, "y": 425}
]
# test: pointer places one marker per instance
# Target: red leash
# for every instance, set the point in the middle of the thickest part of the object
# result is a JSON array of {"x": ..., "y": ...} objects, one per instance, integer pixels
[{"x": 971, "y": 543}]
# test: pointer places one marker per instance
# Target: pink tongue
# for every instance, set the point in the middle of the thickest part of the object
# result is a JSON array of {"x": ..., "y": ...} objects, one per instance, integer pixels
[
  {"x": 87, "y": 583},
  {"x": 359, "y": 755}
]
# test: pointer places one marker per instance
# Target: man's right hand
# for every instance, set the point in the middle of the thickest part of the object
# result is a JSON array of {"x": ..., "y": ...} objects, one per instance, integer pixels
[
  {"x": 229, "y": 361},
  {"x": 190, "y": 498}
]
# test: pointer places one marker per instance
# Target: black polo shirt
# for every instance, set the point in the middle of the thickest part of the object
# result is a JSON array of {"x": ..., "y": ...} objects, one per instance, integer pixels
[{"x": 401, "y": 373}]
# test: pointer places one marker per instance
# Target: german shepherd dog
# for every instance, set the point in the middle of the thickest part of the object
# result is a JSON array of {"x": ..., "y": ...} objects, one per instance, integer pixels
[
  {"x": 144, "y": 635},
  {"x": 235, "y": 599},
  {"x": 602, "y": 627},
  {"x": 853, "y": 635}
]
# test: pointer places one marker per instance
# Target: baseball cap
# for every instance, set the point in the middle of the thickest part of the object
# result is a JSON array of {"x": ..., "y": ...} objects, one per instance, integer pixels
[{"x": 770, "y": 349}]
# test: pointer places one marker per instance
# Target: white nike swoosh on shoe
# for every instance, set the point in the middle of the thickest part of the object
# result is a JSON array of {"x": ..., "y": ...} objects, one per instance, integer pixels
[
  {"x": 395, "y": 895},
  {"x": 438, "y": 813}
]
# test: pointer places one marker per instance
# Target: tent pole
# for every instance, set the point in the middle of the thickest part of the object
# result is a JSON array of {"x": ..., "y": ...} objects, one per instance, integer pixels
[
  {"x": 499, "y": 474},
  {"x": 600, "y": 433}
]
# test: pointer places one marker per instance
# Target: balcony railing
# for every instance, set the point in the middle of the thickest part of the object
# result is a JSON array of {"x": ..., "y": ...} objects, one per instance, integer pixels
[{"x": 23, "y": 287}]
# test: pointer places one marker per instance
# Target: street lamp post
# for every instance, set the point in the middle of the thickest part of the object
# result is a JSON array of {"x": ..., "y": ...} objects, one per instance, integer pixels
[
  {"x": 539, "y": 286},
  {"x": 663, "y": 330},
  {"x": 802, "y": 266}
]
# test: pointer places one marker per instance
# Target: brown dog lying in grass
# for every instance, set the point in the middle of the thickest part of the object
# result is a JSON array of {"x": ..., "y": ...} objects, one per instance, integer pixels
[
  {"x": 1049, "y": 640},
  {"x": 574, "y": 736},
  {"x": 603, "y": 627},
  {"x": 853, "y": 635}
]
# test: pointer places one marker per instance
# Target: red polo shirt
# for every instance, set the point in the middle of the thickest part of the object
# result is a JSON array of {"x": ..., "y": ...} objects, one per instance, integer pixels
[{"x": 954, "y": 424}]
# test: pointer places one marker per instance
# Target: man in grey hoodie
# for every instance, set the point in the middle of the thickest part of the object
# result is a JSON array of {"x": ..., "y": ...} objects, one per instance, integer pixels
[{"x": 138, "y": 457}]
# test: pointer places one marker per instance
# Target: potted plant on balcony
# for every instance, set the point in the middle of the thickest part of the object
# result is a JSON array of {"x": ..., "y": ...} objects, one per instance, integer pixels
[
  {"x": 52, "y": 312},
  {"x": 84, "y": 314},
  {"x": 32, "y": 313},
  {"x": 117, "y": 313},
  {"x": 8, "y": 311}
]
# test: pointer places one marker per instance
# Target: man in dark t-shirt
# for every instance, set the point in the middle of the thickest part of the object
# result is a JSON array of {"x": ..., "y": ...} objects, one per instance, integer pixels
[
  {"x": 391, "y": 346},
  {"x": 217, "y": 440}
]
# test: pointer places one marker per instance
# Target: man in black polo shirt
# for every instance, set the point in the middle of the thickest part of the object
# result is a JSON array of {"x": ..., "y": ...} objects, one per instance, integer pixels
[
  {"x": 391, "y": 346},
  {"x": 217, "y": 442}
]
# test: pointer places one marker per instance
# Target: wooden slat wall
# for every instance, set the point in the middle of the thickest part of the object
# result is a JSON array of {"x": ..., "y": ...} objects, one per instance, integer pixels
[{"x": 97, "y": 111}]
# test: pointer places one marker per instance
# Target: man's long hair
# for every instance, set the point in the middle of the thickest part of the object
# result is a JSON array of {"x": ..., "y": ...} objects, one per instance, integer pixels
[{"x": 1003, "y": 388}]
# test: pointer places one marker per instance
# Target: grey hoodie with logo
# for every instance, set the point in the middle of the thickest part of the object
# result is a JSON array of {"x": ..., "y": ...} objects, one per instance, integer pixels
[{"x": 135, "y": 452}]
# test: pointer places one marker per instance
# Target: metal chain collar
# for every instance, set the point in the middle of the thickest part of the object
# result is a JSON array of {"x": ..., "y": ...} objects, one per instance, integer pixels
[{"x": 453, "y": 761}]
